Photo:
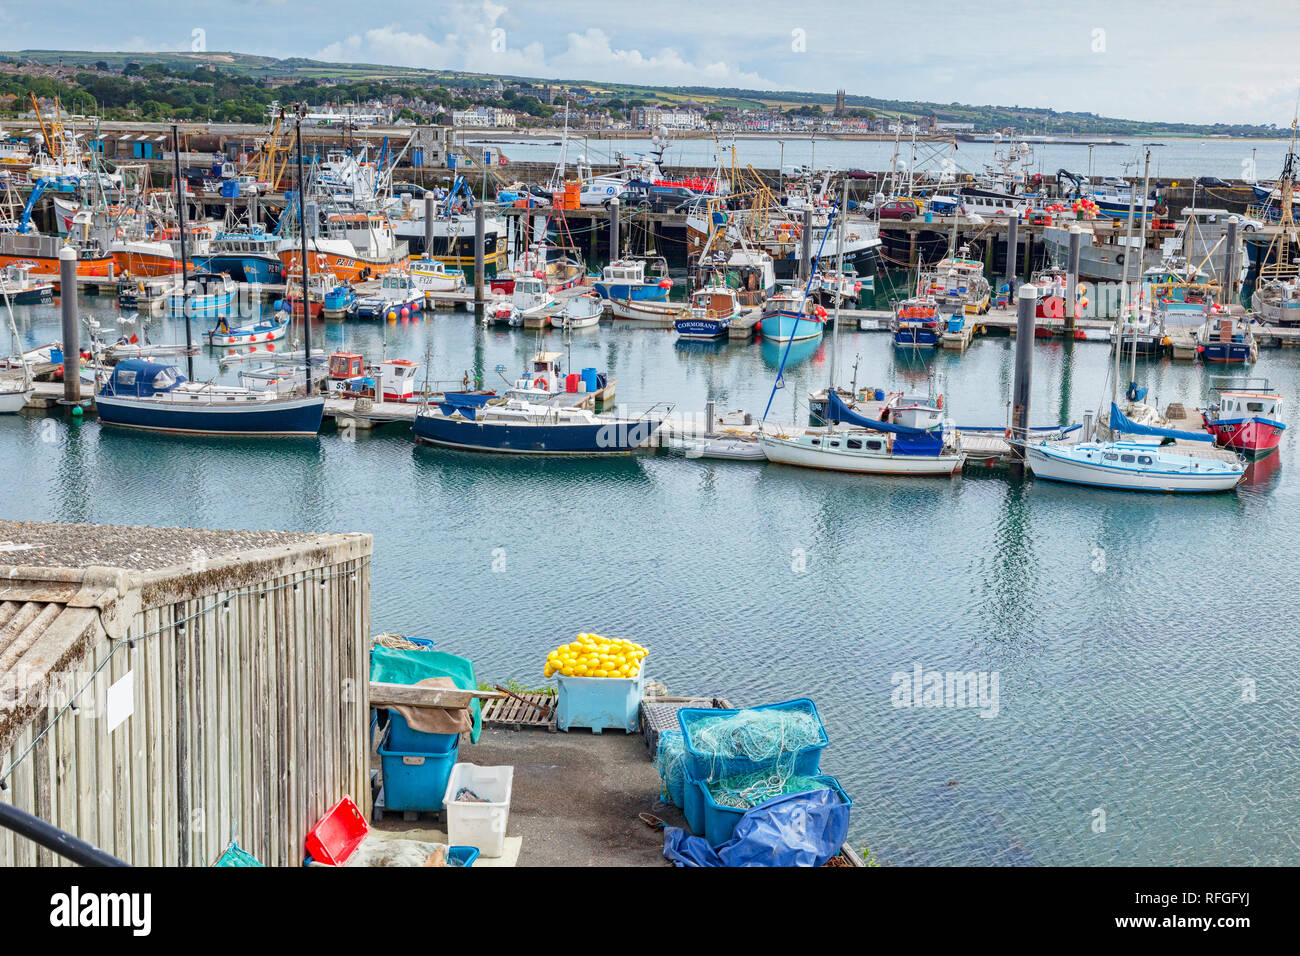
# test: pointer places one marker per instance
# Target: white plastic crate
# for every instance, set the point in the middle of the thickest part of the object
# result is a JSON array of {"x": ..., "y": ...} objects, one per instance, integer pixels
[{"x": 481, "y": 825}]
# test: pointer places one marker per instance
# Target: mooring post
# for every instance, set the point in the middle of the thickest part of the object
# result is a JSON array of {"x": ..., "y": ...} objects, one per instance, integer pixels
[
  {"x": 71, "y": 338},
  {"x": 1230, "y": 264},
  {"x": 1027, "y": 300},
  {"x": 480, "y": 227},
  {"x": 805, "y": 247},
  {"x": 1012, "y": 224},
  {"x": 1072, "y": 276},
  {"x": 613, "y": 229},
  {"x": 710, "y": 415}
]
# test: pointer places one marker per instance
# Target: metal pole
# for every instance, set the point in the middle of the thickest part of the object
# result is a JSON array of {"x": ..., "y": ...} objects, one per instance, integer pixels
[
  {"x": 180, "y": 222},
  {"x": 480, "y": 227},
  {"x": 1229, "y": 286},
  {"x": 1072, "y": 275},
  {"x": 52, "y": 838},
  {"x": 302, "y": 245},
  {"x": 1012, "y": 245},
  {"x": 71, "y": 336},
  {"x": 805, "y": 249},
  {"x": 1027, "y": 300},
  {"x": 613, "y": 229},
  {"x": 429, "y": 213}
]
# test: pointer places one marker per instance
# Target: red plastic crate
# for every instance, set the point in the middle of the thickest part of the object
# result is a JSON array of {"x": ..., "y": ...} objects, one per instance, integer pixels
[{"x": 338, "y": 833}]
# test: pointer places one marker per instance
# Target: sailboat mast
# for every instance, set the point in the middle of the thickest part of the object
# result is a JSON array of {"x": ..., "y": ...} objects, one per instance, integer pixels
[
  {"x": 180, "y": 220},
  {"x": 839, "y": 278},
  {"x": 1142, "y": 245},
  {"x": 302, "y": 240}
]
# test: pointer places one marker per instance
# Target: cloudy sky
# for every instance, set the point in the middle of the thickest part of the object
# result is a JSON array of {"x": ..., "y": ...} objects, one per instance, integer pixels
[{"x": 1194, "y": 61}]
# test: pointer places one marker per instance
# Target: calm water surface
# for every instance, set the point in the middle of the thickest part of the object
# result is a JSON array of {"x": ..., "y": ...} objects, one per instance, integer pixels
[{"x": 1124, "y": 630}]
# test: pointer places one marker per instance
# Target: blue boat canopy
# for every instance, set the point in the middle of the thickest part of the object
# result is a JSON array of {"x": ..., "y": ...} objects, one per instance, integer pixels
[
  {"x": 839, "y": 412},
  {"x": 1122, "y": 423},
  {"x": 141, "y": 378}
]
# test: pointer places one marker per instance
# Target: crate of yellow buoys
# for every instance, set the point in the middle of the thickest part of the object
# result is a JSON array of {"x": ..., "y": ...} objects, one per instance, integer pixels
[{"x": 601, "y": 682}]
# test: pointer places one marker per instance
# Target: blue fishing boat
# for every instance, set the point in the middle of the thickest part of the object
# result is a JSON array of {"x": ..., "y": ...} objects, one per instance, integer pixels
[
  {"x": 247, "y": 254},
  {"x": 155, "y": 397},
  {"x": 206, "y": 295},
  {"x": 792, "y": 316},
  {"x": 626, "y": 279},
  {"x": 521, "y": 427}
]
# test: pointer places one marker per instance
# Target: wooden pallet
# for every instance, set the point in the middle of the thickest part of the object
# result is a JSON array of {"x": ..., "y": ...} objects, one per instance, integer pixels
[{"x": 515, "y": 714}]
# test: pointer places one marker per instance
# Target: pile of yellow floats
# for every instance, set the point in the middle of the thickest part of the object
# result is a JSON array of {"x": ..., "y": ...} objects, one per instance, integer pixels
[{"x": 590, "y": 655}]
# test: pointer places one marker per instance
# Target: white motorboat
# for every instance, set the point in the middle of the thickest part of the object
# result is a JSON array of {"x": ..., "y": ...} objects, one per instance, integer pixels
[
  {"x": 1131, "y": 466},
  {"x": 580, "y": 312}
]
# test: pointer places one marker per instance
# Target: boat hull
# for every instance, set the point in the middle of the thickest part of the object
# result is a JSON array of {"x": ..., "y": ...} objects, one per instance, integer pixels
[
  {"x": 689, "y": 328},
  {"x": 787, "y": 452},
  {"x": 524, "y": 439},
  {"x": 264, "y": 270},
  {"x": 41, "y": 293},
  {"x": 1255, "y": 437},
  {"x": 1054, "y": 467},
  {"x": 787, "y": 327},
  {"x": 289, "y": 418},
  {"x": 636, "y": 291},
  {"x": 13, "y": 402}
]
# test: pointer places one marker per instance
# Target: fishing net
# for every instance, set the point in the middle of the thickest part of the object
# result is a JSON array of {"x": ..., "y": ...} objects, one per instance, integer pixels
[
  {"x": 770, "y": 737},
  {"x": 670, "y": 761},
  {"x": 748, "y": 790}
]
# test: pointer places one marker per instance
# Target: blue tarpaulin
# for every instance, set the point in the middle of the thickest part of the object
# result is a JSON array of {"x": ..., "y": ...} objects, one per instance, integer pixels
[
  {"x": 1122, "y": 423},
  {"x": 798, "y": 829},
  {"x": 837, "y": 411}
]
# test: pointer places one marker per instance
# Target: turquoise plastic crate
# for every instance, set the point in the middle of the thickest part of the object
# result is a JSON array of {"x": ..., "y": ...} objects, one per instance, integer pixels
[
  {"x": 462, "y": 855},
  {"x": 412, "y": 780},
  {"x": 402, "y": 737},
  {"x": 720, "y": 822},
  {"x": 600, "y": 702},
  {"x": 693, "y": 801},
  {"x": 703, "y": 766}
]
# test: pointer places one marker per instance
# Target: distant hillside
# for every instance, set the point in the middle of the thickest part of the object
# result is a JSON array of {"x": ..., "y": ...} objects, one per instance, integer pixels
[{"x": 264, "y": 72}]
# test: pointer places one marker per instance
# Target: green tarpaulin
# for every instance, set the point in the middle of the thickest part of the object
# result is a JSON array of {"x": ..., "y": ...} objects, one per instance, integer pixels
[{"x": 390, "y": 666}]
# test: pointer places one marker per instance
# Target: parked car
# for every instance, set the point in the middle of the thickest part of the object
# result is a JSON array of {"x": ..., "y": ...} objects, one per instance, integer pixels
[
  {"x": 1213, "y": 182},
  {"x": 903, "y": 209},
  {"x": 655, "y": 198},
  {"x": 859, "y": 174}
]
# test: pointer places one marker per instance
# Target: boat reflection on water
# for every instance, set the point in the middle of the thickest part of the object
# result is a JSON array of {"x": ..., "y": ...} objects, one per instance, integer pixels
[
  {"x": 1262, "y": 473},
  {"x": 454, "y": 469},
  {"x": 800, "y": 351},
  {"x": 700, "y": 346}
]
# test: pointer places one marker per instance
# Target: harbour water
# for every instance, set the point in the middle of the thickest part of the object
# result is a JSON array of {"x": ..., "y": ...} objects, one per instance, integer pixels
[
  {"x": 1170, "y": 156},
  {"x": 1143, "y": 647}
]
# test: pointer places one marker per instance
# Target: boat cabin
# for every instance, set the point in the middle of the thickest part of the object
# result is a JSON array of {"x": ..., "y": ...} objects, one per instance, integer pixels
[
  {"x": 624, "y": 270},
  {"x": 1240, "y": 405},
  {"x": 345, "y": 365},
  {"x": 713, "y": 303},
  {"x": 397, "y": 379}
]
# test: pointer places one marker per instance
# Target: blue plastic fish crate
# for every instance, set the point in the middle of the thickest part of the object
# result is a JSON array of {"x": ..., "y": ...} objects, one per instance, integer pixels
[
  {"x": 600, "y": 702},
  {"x": 693, "y": 803},
  {"x": 720, "y": 822},
  {"x": 704, "y": 766},
  {"x": 402, "y": 737},
  {"x": 412, "y": 780}
]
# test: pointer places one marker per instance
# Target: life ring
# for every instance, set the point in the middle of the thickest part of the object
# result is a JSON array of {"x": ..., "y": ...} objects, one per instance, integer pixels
[
  {"x": 541, "y": 383},
  {"x": 1119, "y": 258}
]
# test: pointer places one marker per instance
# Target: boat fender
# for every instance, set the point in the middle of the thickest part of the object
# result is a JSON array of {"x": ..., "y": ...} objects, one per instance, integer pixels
[{"x": 940, "y": 402}]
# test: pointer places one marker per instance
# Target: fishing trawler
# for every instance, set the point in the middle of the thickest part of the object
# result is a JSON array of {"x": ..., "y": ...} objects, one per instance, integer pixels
[
  {"x": 245, "y": 253},
  {"x": 1276, "y": 298},
  {"x": 1227, "y": 337},
  {"x": 959, "y": 276}
]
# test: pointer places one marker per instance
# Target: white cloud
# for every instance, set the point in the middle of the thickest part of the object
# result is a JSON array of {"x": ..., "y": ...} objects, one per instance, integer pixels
[{"x": 470, "y": 42}]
